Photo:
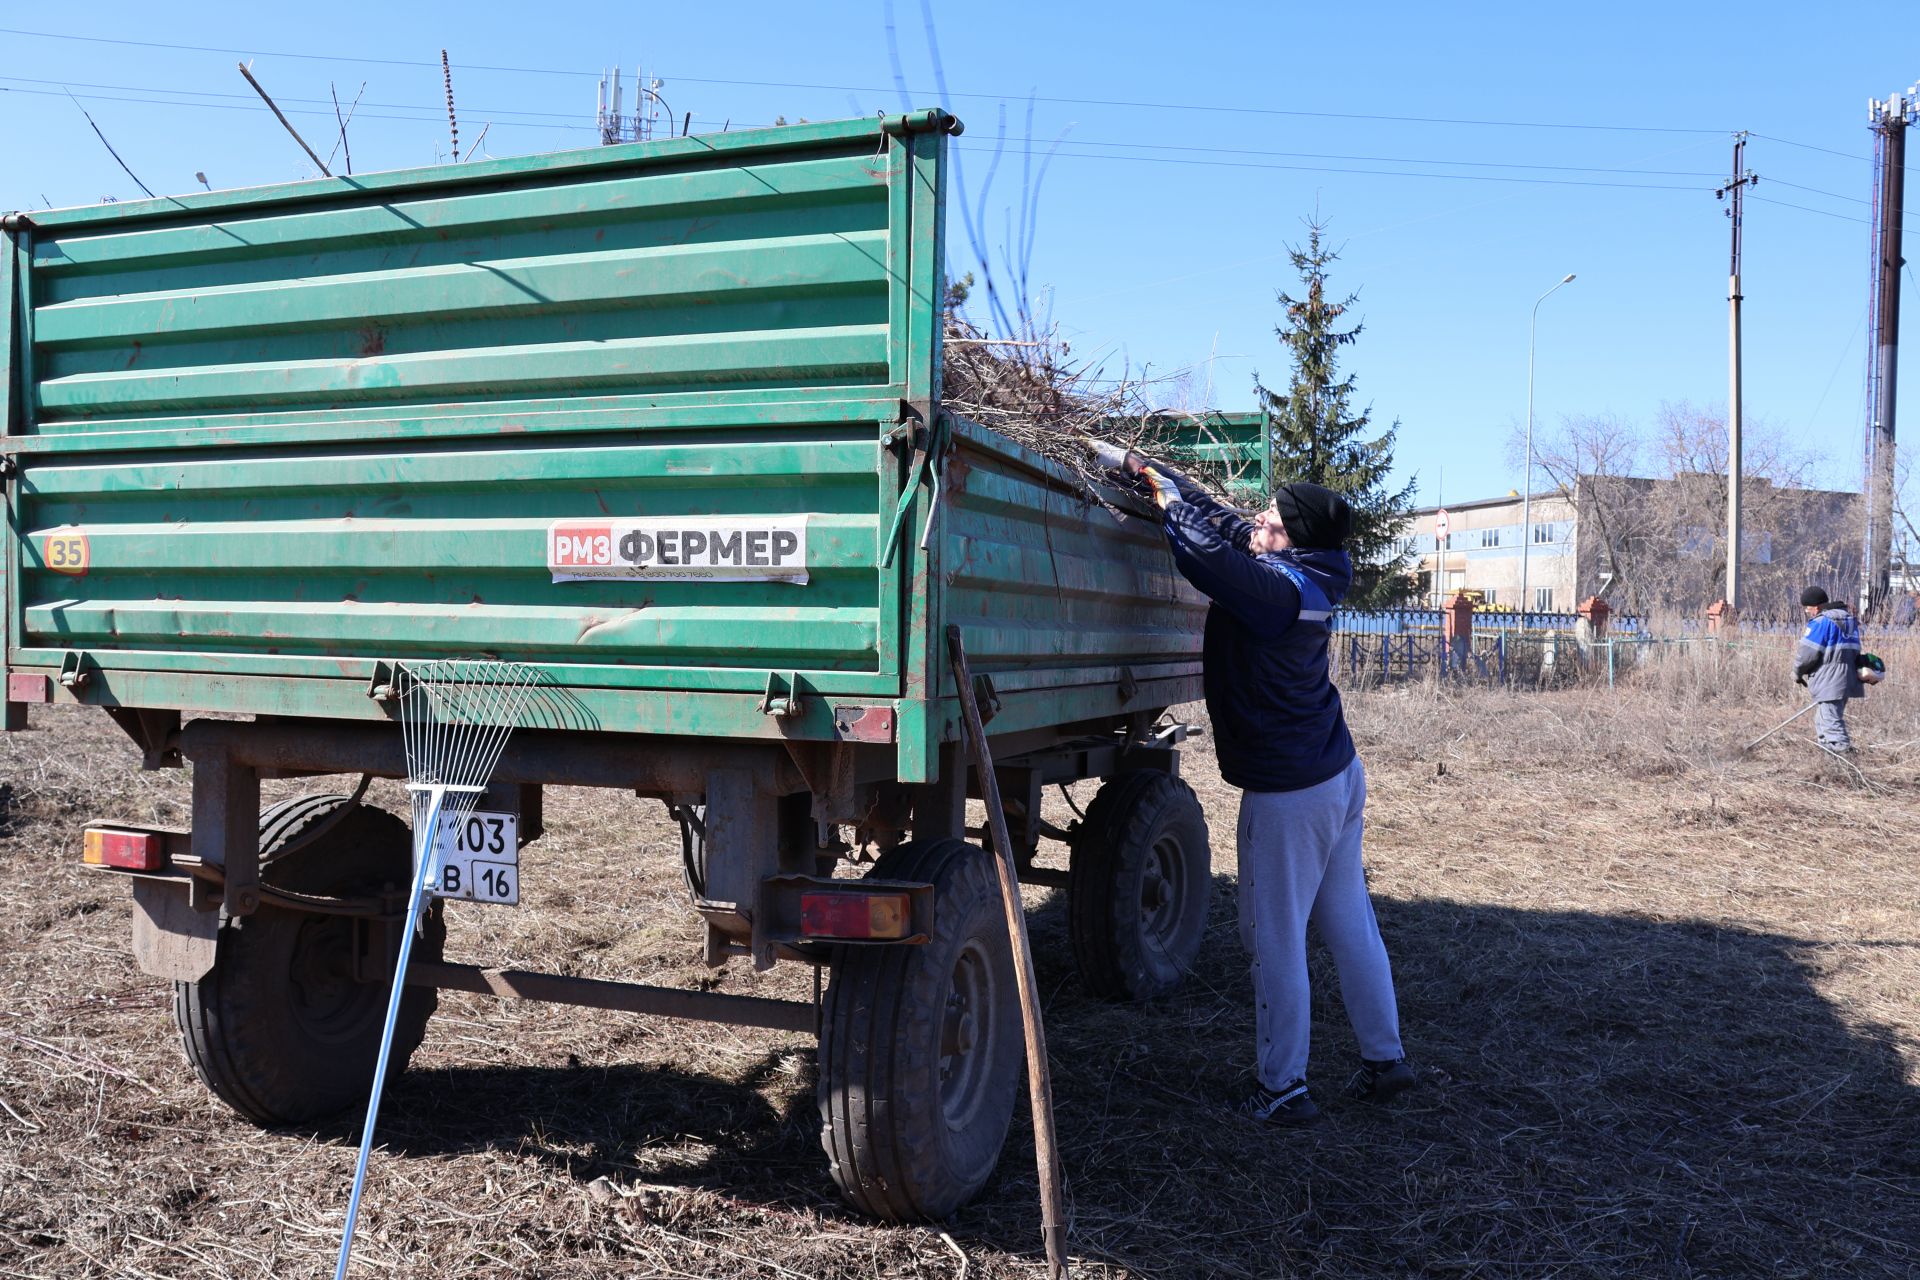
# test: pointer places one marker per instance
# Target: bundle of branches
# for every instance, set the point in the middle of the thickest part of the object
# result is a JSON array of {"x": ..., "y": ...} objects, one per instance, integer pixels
[{"x": 1035, "y": 391}]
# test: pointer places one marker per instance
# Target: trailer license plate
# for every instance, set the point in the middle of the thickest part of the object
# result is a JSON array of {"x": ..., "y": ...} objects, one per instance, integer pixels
[{"x": 480, "y": 858}]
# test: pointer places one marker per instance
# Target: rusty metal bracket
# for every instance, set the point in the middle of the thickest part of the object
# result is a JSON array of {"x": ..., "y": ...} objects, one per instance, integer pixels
[
  {"x": 988, "y": 698},
  {"x": 828, "y": 770},
  {"x": 155, "y": 732}
]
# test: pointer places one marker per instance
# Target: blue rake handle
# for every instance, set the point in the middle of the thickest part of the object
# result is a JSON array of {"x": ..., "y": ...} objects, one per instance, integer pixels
[{"x": 429, "y": 880}]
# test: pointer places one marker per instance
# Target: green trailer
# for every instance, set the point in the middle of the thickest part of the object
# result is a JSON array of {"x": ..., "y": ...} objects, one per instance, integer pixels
[{"x": 662, "y": 420}]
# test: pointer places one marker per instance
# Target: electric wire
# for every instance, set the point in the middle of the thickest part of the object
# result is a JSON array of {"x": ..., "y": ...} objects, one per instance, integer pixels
[
  {"x": 430, "y": 113},
  {"x": 1141, "y": 104},
  {"x": 1140, "y": 159}
]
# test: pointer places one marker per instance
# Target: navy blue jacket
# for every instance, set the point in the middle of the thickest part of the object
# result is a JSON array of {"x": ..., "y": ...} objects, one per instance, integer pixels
[{"x": 1277, "y": 723}]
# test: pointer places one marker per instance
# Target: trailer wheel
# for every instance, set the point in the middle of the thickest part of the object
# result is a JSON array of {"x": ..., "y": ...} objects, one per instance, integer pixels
[
  {"x": 920, "y": 1046},
  {"x": 1139, "y": 885},
  {"x": 278, "y": 1029}
]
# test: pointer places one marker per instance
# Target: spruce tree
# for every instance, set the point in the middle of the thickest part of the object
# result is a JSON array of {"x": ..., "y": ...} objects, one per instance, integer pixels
[{"x": 1320, "y": 437}]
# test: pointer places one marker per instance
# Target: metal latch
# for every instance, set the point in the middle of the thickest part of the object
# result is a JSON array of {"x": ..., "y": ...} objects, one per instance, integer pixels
[{"x": 73, "y": 672}]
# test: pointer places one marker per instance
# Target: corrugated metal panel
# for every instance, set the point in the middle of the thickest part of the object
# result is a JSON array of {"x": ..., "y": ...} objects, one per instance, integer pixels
[
  {"x": 1042, "y": 579},
  {"x": 1238, "y": 445},
  {"x": 410, "y": 371},
  {"x": 444, "y": 551},
  {"x": 775, "y": 275}
]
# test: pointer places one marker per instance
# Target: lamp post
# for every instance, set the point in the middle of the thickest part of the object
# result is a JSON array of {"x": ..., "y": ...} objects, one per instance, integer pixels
[{"x": 1526, "y": 483}]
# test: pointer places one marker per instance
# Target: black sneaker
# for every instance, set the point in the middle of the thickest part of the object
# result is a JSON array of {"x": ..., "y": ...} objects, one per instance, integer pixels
[
  {"x": 1381, "y": 1081},
  {"x": 1292, "y": 1105}
]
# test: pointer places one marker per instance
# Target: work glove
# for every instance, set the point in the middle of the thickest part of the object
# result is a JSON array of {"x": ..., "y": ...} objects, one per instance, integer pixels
[
  {"x": 1164, "y": 488},
  {"x": 1108, "y": 455}
]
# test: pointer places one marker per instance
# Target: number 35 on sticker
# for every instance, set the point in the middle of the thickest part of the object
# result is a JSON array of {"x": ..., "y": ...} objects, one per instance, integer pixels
[{"x": 66, "y": 553}]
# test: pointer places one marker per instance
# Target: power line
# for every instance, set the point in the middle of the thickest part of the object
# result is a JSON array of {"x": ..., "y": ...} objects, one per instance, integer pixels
[
  {"x": 1383, "y": 173},
  {"x": 851, "y": 88},
  {"x": 1137, "y": 159},
  {"x": 430, "y": 113},
  {"x": 213, "y": 93},
  {"x": 1323, "y": 155},
  {"x": 298, "y": 111},
  {"x": 1835, "y": 195},
  {"x": 1845, "y": 155},
  {"x": 1807, "y": 208}
]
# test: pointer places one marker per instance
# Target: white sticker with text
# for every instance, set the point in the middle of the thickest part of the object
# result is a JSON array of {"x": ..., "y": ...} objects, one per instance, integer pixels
[{"x": 680, "y": 549}]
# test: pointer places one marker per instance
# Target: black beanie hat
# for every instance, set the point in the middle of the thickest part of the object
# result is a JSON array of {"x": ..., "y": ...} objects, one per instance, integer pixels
[
  {"x": 1314, "y": 518},
  {"x": 1813, "y": 596}
]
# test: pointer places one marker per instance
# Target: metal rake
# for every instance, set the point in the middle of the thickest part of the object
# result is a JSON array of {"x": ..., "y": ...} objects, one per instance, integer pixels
[{"x": 455, "y": 718}]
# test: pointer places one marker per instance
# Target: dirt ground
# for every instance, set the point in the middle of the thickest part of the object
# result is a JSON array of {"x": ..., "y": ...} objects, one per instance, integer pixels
[{"x": 1665, "y": 1001}]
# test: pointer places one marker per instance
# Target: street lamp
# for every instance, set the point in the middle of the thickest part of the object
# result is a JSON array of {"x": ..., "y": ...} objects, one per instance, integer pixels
[{"x": 1526, "y": 484}]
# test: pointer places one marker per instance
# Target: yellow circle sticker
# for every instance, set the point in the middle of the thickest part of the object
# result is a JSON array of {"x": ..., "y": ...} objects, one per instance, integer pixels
[{"x": 66, "y": 553}]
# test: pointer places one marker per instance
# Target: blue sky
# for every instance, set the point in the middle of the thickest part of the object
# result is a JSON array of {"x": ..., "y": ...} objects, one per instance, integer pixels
[{"x": 1184, "y": 170}]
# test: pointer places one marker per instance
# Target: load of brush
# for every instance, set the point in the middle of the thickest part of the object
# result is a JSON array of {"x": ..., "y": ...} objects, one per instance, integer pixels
[{"x": 1037, "y": 392}]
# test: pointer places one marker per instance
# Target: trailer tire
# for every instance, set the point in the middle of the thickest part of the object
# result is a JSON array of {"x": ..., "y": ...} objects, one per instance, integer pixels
[
  {"x": 921, "y": 1046},
  {"x": 278, "y": 1029},
  {"x": 1139, "y": 885}
]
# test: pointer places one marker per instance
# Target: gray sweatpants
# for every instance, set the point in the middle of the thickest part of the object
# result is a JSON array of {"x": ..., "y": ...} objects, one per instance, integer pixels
[
  {"x": 1300, "y": 861},
  {"x": 1830, "y": 725}
]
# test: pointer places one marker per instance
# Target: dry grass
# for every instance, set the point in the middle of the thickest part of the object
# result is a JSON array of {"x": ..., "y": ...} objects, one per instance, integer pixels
[{"x": 1662, "y": 994}]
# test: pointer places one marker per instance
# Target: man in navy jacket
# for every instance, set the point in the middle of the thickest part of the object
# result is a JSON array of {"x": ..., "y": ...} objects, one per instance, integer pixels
[
  {"x": 1827, "y": 661},
  {"x": 1281, "y": 737}
]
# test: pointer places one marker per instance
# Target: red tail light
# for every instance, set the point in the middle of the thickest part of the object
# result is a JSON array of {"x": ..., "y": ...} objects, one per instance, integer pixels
[
  {"x": 127, "y": 850},
  {"x": 854, "y": 915}
]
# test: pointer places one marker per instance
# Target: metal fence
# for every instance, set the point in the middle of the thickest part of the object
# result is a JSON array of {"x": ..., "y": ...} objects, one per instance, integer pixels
[
  {"x": 1491, "y": 657},
  {"x": 1400, "y": 622}
]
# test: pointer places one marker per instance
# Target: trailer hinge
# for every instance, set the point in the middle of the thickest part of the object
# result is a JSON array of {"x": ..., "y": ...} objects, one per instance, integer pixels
[
  {"x": 380, "y": 685},
  {"x": 782, "y": 698},
  {"x": 9, "y": 466},
  {"x": 73, "y": 670}
]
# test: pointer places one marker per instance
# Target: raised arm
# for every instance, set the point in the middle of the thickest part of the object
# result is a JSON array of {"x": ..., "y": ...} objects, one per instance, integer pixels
[{"x": 1259, "y": 593}]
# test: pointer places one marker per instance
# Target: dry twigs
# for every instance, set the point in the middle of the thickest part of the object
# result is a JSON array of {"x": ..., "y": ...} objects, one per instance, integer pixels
[{"x": 1036, "y": 392}]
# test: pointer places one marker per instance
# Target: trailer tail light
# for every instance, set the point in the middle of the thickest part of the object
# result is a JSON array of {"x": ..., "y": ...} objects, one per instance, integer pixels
[
  {"x": 854, "y": 915},
  {"x": 126, "y": 850}
]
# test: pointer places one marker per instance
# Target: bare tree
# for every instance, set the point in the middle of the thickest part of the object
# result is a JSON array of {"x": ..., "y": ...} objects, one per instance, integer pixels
[{"x": 1651, "y": 508}]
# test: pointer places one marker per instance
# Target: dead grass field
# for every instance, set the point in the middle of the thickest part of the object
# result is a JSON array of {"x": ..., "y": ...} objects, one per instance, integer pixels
[{"x": 1665, "y": 999}]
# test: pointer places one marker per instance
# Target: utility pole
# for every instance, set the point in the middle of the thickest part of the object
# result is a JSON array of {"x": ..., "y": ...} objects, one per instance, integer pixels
[
  {"x": 1733, "y": 190},
  {"x": 1889, "y": 120}
]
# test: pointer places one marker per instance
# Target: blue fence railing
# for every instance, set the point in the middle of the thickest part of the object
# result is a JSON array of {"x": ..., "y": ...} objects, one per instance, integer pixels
[{"x": 1400, "y": 622}]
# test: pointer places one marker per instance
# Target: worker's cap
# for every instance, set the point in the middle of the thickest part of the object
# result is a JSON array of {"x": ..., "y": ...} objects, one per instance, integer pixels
[
  {"x": 1312, "y": 516},
  {"x": 1813, "y": 596}
]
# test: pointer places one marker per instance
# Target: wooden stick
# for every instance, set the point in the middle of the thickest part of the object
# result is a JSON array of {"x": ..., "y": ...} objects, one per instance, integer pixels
[
  {"x": 275, "y": 107},
  {"x": 1053, "y": 1229}
]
